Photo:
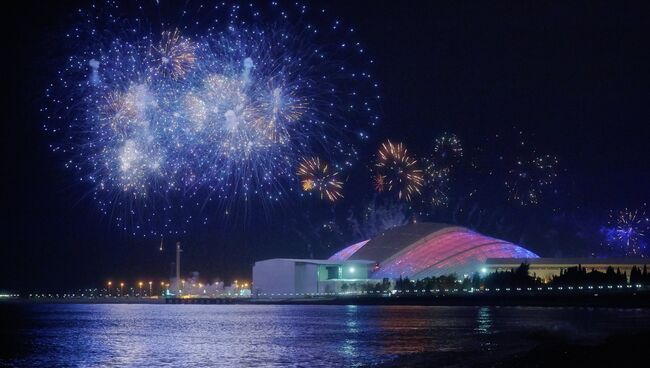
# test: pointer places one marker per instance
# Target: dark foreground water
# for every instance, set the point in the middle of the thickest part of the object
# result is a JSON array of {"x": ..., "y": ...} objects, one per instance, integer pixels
[{"x": 309, "y": 336}]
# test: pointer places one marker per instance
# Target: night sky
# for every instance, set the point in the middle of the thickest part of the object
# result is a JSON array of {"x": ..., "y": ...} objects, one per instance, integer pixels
[{"x": 573, "y": 77}]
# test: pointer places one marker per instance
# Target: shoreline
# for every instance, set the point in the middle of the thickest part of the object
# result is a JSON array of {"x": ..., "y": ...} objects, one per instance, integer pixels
[{"x": 636, "y": 299}]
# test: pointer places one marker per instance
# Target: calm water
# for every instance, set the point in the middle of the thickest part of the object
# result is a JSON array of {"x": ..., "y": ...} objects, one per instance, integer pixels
[{"x": 249, "y": 335}]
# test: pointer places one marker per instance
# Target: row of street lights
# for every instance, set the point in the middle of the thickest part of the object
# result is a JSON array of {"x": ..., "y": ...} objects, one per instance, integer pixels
[{"x": 141, "y": 284}]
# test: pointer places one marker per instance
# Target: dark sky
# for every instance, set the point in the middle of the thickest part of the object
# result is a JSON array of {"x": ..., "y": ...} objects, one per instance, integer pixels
[{"x": 572, "y": 75}]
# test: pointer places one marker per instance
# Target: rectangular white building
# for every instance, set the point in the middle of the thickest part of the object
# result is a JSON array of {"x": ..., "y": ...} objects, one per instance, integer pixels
[{"x": 286, "y": 278}]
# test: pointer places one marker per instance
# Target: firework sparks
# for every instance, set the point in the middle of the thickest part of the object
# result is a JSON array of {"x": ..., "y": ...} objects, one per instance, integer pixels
[
  {"x": 447, "y": 150},
  {"x": 316, "y": 175},
  {"x": 529, "y": 179},
  {"x": 175, "y": 54},
  {"x": 159, "y": 124},
  {"x": 447, "y": 153},
  {"x": 626, "y": 232},
  {"x": 396, "y": 170},
  {"x": 437, "y": 183}
]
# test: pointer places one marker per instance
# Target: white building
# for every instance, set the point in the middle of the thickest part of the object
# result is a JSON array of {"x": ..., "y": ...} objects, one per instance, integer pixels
[{"x": 282, "y": 277}]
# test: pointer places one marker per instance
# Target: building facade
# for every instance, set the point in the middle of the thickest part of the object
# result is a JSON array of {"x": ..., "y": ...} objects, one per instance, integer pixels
[{"x": 284, "y": 277}]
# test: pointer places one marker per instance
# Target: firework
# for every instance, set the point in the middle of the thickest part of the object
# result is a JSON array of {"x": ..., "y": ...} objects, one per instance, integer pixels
[
  {"x": 447, "y": 153},
  {"x": 529, "y": 179},
  {"x": 437, "y": 183},
  {"x": 447, "y": 150},
  {"x": 527, "y": 176},
  {"x": 316, "y": 175},
  {"x": 163, "y": 122},
  {"x": 626, "y": 232},
  {"x": 396, "y": 170},
  {"x": 174, "y": 56}
]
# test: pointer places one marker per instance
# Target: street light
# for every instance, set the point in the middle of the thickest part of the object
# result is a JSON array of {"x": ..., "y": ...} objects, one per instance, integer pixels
[
  {"x": 121, "y": 289},
  {"x": 109, "y": 287},
  {"x": 140, "y": 285}
]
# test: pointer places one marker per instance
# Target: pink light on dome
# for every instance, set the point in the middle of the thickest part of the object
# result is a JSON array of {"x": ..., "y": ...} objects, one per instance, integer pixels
[{"x": 447, "y": 251}]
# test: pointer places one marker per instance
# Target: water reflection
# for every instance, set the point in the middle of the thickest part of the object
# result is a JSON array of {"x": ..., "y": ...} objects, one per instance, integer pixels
[
  {"x": 350, "y": 343},
  {"x": 484, "y": 321},
  {"x": 280, "y": 336}
]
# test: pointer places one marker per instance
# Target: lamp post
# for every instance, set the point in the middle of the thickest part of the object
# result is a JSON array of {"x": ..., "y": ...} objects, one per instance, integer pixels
[
  {"x": 150, "y": 287},
  {"x": 109, "y": 288},
  {"x": 178, "y": 261},
  {"x": 140, "y": 285},
  {"x": 121, "y": 289}
]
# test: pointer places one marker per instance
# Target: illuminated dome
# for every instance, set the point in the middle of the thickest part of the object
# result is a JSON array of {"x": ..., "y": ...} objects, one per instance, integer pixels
[{"x": 428, "y": 249}]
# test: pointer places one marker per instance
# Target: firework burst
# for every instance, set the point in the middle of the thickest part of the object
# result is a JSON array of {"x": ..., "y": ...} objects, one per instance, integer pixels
[
  {"x": 397, "y": 171},
  {"x": 437, "y": 183},
  {"x": 528, "y": 180},
  {"x": 174, "y": 56},
  {"x": 626, "y": 232},
  {"x": 168, "y": 121},
  {"x": 316, "y": 175},
  {"x": 447, "y": 151}
]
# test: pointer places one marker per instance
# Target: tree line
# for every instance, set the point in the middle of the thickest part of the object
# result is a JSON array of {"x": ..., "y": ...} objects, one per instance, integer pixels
[{"x": 519, "y": 277}]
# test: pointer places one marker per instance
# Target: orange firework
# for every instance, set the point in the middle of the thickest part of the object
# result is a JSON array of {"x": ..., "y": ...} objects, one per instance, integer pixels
[
  {"x": 175, "y": 54},
  {"x": 396, "y": 170},
  {"x": 315, "y": 174}
]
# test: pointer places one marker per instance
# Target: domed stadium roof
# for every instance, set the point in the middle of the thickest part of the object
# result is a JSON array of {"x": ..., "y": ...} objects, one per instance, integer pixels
[{"x": 429, "y": 249}]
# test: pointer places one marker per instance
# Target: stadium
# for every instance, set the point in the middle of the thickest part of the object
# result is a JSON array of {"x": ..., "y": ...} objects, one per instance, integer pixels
[
  {"x": 422, "y": 250},
  {"x": 415, "y": 251}
]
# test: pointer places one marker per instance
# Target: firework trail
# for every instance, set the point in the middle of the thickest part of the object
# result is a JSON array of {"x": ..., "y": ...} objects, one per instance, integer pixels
[
  {"x": 211, "y": 108},
  {"x": 376, "y": 218}
]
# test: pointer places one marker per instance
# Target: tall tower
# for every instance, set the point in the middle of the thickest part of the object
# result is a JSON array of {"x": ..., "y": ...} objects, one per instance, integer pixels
[{"x": 178, "y": 264}]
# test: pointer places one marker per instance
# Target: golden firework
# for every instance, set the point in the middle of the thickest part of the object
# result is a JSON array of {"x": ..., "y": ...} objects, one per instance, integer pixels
[
  {"x": 396, "y": 170},
  {"x": 315, "y": 174},
  {"x": 175, "y": 54}
]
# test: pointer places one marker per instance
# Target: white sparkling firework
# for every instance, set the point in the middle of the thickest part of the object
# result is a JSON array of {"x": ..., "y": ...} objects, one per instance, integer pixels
[
  {"x": 437, "y": 183},
  {"x": 528, "y": 179},
  {"x": 529, "y": 175},
  {"x": 626, "y": 232},
  {"x": 447, "y": 153}
]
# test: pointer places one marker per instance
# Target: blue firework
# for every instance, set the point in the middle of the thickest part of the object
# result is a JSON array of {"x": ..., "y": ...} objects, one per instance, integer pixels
[
  {"x": 166, "y": 120},
  {"x": 626, "y": 232}
]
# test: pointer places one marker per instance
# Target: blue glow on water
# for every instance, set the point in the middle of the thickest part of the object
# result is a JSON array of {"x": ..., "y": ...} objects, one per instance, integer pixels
[{"x": 281, "y": 336}]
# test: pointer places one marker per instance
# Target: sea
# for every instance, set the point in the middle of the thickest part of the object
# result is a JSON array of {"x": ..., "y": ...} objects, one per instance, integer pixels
[{"x": 160, "y": 335}]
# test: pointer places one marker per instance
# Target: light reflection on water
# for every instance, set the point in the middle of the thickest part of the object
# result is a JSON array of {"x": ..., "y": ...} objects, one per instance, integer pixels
[
  {"x": 484, "y": 321},
  {"x": 267, "y": 336}
]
